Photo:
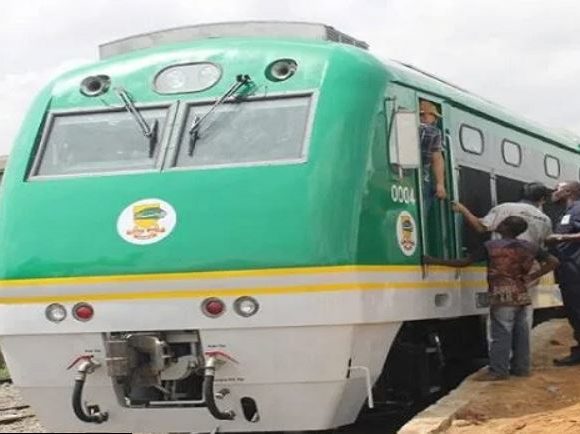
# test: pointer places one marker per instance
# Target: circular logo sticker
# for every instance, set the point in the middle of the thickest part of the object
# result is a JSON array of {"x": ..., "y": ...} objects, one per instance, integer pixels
[
  {"x": 407, "y": 233},
  {"x": 147, "y": 221}
]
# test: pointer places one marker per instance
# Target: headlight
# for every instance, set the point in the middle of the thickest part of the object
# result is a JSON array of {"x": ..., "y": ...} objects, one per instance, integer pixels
[
  {"x": 55, "y": 313},
  {"x": 192, "y": 77},
  {"x": 246, "y": 306}
]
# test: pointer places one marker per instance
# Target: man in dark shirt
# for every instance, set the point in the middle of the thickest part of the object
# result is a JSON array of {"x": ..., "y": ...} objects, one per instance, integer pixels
[
  {"x": 566, "y": 242},
  {"x": 509, "y": 274},
  {"x": 431, "y": 152}
]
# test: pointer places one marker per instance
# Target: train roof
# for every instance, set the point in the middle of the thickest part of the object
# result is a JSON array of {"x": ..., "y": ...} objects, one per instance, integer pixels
[{"x": 240, "y": 29}]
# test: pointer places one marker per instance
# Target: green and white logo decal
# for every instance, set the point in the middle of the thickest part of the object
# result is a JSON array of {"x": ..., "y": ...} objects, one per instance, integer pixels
[
  {"x": 147, "y": 221},
  {"x": 407, "y": 233}
]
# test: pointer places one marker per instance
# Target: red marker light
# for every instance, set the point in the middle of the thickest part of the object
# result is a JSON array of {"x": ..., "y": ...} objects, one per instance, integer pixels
[
  {"x": 213, "y": 307},
  {"x": 83, "y": 312}
]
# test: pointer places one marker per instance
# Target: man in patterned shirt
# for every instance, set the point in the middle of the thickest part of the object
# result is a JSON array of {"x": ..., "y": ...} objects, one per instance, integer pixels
[
  {"x": 431, "y": 154},
  {"x": 509, "y": 273}
]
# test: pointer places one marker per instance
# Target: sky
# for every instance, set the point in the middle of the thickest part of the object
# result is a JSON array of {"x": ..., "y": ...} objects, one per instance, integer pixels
[{"x": 521, "y": 54}]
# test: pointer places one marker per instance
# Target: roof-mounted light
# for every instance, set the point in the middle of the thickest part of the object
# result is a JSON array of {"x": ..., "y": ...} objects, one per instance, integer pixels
[
  {"x": 185, "y": 78},
  {"x": 281, "y": 69},
  {"x": 95, "y": 85}
]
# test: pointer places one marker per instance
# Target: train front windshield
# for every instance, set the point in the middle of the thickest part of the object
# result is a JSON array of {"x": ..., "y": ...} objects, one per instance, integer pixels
[
  {"x": 245, "y": 132},
  {"x": 240, "y": 132},
  {"x": 94, "y": 142}
]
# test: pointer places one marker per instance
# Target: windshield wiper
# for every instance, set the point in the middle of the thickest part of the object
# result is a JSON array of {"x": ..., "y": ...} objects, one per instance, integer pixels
[
  {"x": 193, "y": 136},
  {"x": 241, "y": 80},
  {"x": 148, "y": 131}
]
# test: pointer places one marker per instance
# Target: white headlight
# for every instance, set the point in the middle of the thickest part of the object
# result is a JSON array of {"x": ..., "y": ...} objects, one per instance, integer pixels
[
  {"x": 246, "y": 306},
  {"x": 189, "y": 77},
  {"x": 55, "y": 312}
]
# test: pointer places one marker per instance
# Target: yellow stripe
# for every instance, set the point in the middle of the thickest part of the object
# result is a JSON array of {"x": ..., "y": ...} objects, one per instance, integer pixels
[
  {"x": 226, "y": 274},
  {"x": 237, "y": 292}
]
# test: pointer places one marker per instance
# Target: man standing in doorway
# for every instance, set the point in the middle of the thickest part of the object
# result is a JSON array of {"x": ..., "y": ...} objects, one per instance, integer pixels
[
  {"x": 566, "y": 242},
  {"x": 431, "y": 152}
]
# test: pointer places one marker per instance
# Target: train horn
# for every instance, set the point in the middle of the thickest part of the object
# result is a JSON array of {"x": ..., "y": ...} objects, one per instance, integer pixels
[{"x": 95, "y": 85}]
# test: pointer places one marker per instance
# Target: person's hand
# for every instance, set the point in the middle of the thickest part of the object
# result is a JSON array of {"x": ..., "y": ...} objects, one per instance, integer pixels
[
  {"x": 458, "y": 207},
  {"x": 440, "y": 192},
  {"x": 553, "y": 239}
]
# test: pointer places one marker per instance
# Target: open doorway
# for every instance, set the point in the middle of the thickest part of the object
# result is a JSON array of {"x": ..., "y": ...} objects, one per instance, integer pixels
[{"x": 436, "y": 180}]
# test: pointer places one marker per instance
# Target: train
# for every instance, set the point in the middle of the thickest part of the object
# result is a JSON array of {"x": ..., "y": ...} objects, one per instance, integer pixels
[{"x": 220, "y": 228}]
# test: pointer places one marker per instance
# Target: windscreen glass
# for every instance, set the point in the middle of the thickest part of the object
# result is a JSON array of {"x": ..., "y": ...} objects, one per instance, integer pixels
[
  {"x": 99, "y": 142},
  {"x": 245, "y": 132}
]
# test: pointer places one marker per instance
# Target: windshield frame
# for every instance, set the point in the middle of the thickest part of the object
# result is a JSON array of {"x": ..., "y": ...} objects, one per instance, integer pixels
[
  {"x": 48, "y": 125},
  {"x": 182, "y": 127}
]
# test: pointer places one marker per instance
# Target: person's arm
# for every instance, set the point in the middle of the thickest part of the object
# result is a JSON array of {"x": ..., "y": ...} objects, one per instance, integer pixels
[
  {"x": 547, "y": 263},
  {"x": 438, "y": 165},
  {"x": 548, "y": 232},
  {"x": 570, "y": 222},
  {"x": 563, "y": 238},
  {"x": 472, "y": 220},
  {"x": 479, "y": 255}
]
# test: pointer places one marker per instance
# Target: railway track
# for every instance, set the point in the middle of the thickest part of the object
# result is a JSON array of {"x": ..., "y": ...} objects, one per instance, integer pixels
[
  {"x": 16, "y": 415},
  {"x": 14, "y": 418}
]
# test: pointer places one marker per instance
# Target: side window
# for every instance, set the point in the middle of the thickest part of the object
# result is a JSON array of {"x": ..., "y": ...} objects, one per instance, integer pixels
[
  {"x": 511, "y": 153},
  {"x": 508, "y": 190},
  {"x": 475, "y": 193},
  {"x": 471, "y": 139},
  {"x": 552, "y": 166}
]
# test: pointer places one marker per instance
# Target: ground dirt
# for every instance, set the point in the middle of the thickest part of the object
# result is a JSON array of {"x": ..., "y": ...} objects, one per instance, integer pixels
[{"x": 546, "y": 402}]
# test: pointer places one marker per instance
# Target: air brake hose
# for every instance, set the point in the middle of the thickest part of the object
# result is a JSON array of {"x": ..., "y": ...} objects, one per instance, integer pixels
[
  {"x": 85, "y": 368},
  {"x": 208, "y": 381}
]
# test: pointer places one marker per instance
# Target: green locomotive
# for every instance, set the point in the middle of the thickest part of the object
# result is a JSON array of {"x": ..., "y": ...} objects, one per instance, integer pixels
[{"x": 236, "y": 211}]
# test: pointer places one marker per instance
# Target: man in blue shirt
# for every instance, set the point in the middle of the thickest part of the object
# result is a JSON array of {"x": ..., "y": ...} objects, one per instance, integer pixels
[
  {"x": 566, "y": 242},
  {"x": 431, "y": 152}
]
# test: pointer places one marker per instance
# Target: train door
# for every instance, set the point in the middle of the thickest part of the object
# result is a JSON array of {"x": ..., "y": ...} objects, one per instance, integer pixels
[
  {"x": 438, "y": 219},
  {"x": 437, "y": 222}
]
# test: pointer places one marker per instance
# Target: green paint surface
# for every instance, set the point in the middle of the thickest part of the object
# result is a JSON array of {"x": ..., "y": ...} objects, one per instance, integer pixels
[{"x": 336, "y": 208}]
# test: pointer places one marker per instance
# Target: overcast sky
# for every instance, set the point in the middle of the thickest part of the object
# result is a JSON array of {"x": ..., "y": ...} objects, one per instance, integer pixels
[{"x": 522, "y": 54}]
